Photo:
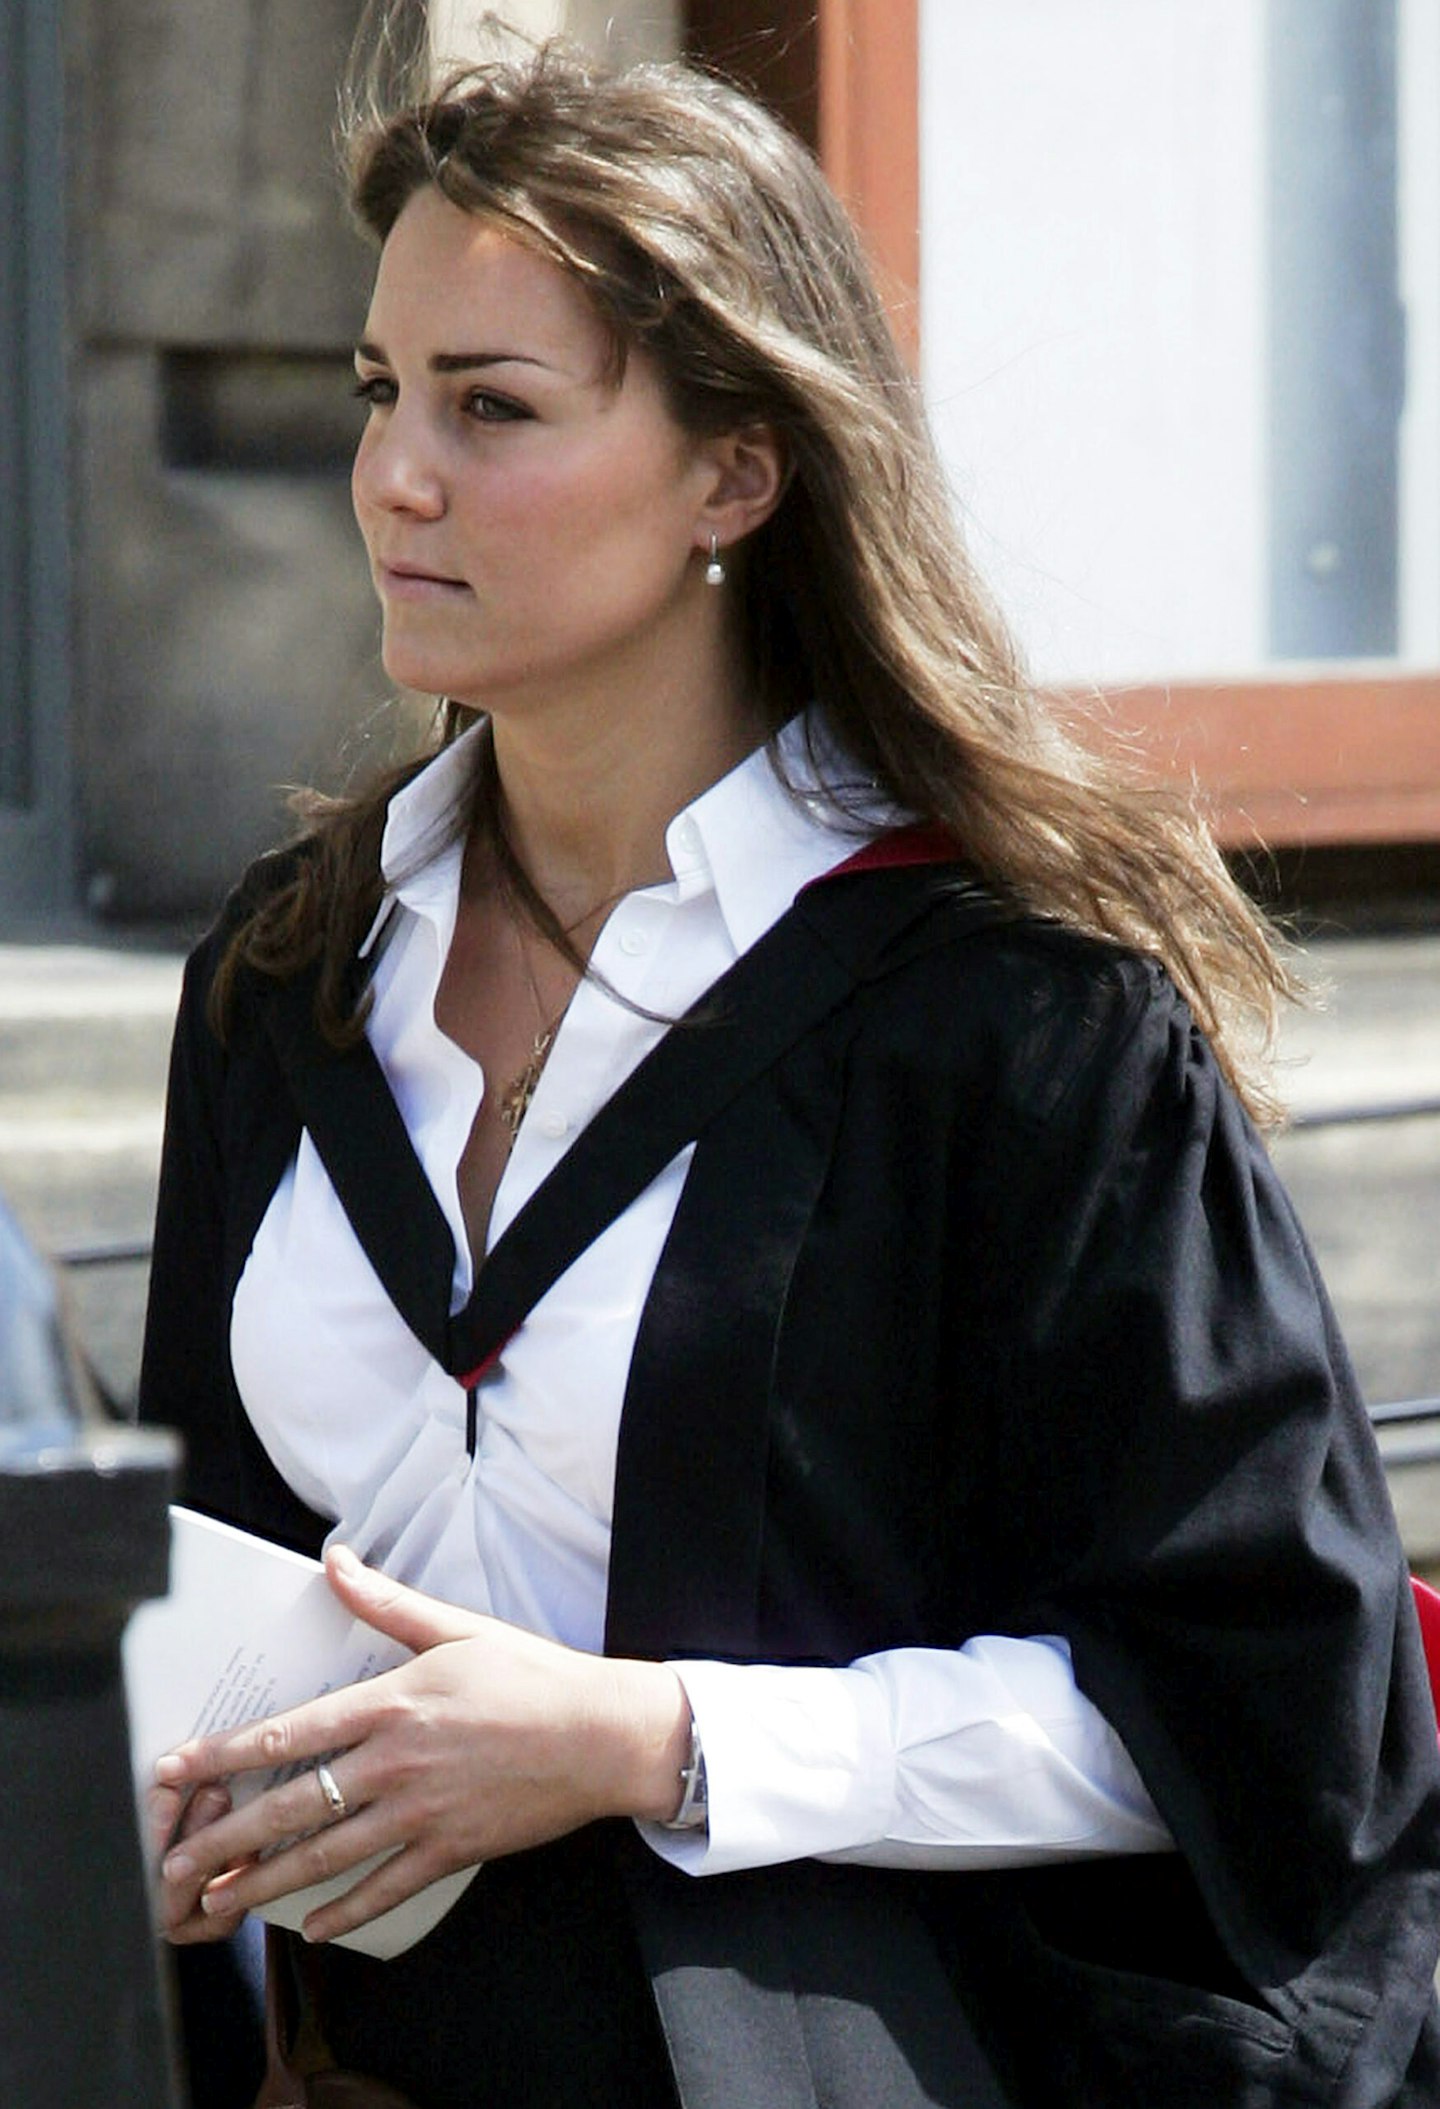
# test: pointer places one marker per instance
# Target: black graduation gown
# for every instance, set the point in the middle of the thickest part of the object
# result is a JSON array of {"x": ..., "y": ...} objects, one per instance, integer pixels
[{"x": 982, "y": 1311}]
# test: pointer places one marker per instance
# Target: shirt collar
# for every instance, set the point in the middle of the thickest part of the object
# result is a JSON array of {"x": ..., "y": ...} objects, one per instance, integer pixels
[
  {"x": 771, "y": 826},
  {"x": 420, "y": 855},
  {"x": 420, "y": 813},
  {"x": 755, "y": 838}
]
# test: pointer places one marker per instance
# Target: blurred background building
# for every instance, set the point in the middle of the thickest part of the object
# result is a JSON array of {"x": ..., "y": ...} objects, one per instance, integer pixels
[{"x": 1170, "y": 270}]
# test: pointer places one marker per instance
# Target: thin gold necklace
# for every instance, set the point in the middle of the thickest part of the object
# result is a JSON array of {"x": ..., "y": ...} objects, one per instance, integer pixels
[{"x": 514, "y": 1102}]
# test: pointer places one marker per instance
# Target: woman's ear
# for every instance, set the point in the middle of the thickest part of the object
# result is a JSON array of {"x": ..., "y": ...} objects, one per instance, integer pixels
[{"x": 751, "y": 471}]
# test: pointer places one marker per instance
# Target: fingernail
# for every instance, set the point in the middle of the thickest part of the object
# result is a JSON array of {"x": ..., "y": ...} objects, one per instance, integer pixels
[
  {"x": 178, "y": 1867},
  {"x": 345, "y": 1559},
  {"x": 217, "y": 1903},
  {"x": 169, "y": 1771}
]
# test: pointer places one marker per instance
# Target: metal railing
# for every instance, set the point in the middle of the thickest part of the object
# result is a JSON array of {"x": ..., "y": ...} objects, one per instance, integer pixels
[
  {"x": 1408, "y": 1413},
  {"x": 1422, "y": 1449},
  {"x": 105, "y": 1252},
  {"x": 1378, "y": 1109}
]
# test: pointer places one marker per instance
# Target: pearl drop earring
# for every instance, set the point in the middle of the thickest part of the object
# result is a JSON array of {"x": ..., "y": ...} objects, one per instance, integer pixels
[{"x": 714, "y": 570}]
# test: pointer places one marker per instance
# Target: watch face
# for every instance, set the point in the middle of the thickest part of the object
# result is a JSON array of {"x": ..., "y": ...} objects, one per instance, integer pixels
[{"x": 694, "y": 1799}]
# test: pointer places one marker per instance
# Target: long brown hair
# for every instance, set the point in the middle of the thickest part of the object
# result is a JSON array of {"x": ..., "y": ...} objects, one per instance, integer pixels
[{"x": 704, "y": 232}]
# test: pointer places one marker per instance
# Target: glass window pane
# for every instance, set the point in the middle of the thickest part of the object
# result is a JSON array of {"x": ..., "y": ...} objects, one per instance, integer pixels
[{"x": 1181, "y": 281}]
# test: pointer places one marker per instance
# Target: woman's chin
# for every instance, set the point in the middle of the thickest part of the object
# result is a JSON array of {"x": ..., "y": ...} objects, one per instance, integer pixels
[{"x": 429, "y": 673}]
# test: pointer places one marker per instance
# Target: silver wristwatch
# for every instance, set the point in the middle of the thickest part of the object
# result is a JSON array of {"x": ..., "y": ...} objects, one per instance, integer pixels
[{"x": 694, "y": 1809}]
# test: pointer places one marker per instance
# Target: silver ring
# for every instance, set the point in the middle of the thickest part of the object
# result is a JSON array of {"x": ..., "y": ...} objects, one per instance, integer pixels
[{"x": 330, "y": 1788}]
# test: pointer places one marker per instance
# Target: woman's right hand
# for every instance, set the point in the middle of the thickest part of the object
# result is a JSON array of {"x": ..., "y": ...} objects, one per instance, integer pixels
[{"x": 488, "y": 1740}]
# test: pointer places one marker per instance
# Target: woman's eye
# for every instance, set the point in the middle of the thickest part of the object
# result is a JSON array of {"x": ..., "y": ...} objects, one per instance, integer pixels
[
  {"x": 381, "y": 391},
  {"x": 493, "y": 409}
]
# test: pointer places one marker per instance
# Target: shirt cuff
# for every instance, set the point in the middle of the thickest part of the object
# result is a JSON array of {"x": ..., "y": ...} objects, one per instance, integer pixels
[
  {"x": 982, "y": 1756},
  {"x": 797, "y": 1763}
]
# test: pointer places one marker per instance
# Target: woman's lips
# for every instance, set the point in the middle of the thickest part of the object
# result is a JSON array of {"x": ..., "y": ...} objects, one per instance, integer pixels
[{"x": 403, "y": 582}]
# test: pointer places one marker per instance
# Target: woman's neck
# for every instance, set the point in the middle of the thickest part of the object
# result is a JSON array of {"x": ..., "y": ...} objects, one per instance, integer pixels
[{"x": 586, "y": 797}]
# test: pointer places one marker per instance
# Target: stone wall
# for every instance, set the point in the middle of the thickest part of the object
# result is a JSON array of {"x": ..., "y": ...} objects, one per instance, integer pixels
[
  {"x": 226, "y": 635},
  {"x": 226, "y": 631}
]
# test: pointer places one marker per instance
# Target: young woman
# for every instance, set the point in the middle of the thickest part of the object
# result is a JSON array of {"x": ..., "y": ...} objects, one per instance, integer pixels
[{"x": 724, "y": 1195}]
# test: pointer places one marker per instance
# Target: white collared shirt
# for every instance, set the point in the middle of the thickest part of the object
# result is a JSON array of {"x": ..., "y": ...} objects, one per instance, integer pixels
[{"x": 978, "y": 1757}]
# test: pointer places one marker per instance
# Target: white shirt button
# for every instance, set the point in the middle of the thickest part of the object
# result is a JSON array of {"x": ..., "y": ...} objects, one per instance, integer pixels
[
  {"x": 554, "y": 1124},
  {"x": 632, "y": 943},
  {"x": 687, "y": 837}
]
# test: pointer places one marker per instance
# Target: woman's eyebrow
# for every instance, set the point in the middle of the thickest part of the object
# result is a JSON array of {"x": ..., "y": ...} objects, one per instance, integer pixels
[
  {"x": 460, "y": 362},
  {"x": 456, "y": 362}
]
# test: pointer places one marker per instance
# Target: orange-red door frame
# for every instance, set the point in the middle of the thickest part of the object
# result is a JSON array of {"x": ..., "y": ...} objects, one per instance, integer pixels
[
  {"x": 869, "y": 54},
  {"x": 1351, "y": 757},
  {"x": 846, "y": 74}
]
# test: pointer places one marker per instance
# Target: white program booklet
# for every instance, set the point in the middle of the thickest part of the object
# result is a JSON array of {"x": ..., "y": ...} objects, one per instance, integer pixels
[{"x": 250, "y": 1629}]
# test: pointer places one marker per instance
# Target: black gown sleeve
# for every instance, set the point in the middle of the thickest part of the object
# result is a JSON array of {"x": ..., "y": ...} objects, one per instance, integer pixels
[
  {"x": 184, "y": 1366},
  {"x": 229, "y": 1134},
  {"x": 1206, "y": 1516}
]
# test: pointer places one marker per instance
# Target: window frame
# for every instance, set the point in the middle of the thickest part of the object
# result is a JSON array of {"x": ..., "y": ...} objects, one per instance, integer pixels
[{"x": 1345, "y": 756}]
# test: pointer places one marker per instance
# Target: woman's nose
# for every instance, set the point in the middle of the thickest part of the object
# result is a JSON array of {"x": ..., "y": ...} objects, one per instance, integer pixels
[{"x": 396, "y": 470}]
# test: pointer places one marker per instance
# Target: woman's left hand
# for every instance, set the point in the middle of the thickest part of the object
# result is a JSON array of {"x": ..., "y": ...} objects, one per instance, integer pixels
[{"x": 489, "y": 1740}]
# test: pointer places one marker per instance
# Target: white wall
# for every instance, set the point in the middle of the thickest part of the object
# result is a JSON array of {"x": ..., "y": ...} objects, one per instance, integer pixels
[
  {"x": 622, "y": 30},
  {"x": 1419, "y": 127},
  {"x": 1092, "y": 317},
  {"x": 1093, "y": 302}
]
